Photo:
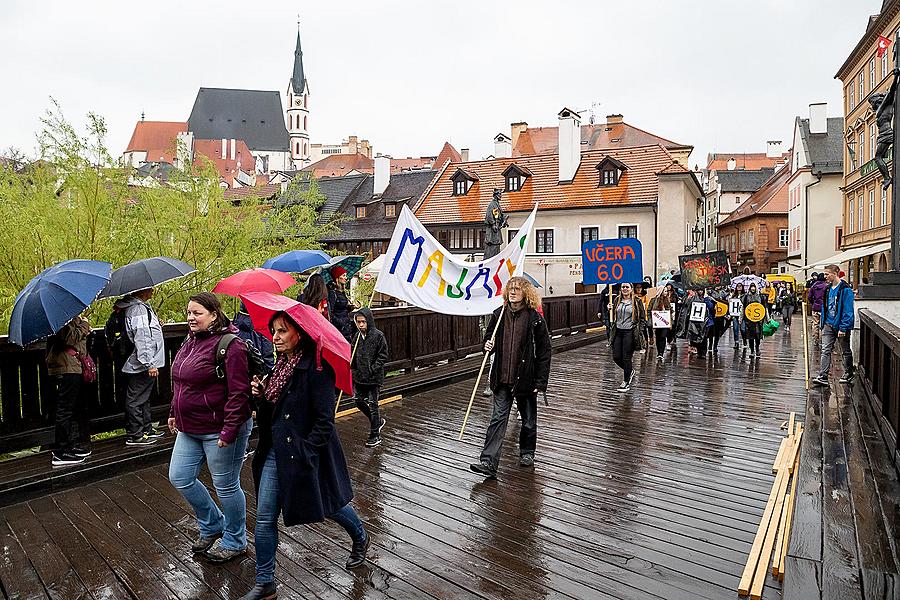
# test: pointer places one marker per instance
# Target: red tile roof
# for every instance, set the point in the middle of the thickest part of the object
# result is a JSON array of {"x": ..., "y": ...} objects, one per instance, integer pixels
[
  {"x": 447, "y": 153},
  {"x": 264, "y": 192},
  {"x": 770, "y": 199},
  {"x": 545, "y": 140},
  {"x": 157, "y": 139},
  {"x": 399, "y": 165},
  {"x": 338, "y": 165},
  {"x": 638, "y": 185},
  {"x": 747, "y": 161},
  {"x": 675, "y": 167},
  {"x": 227, "y": 167}
]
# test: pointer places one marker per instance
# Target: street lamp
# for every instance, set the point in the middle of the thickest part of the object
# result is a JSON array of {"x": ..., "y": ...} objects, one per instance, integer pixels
[{"x": 696, "y": 233}]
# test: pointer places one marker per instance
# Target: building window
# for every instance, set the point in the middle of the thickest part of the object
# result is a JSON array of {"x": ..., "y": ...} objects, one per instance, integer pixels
[
  {"x": 782, "y": 238},
  {"x": 743, "y": 241},
  {"x": 884, "y": 64},
  {"x": 883, "y": 207},
  {"x": 872, "y": 133},
  {"x": 511, "y": 235},
  {"x": 513, "y": 183},
  {"x": 861, "y": 84},
  {"x": 390, "y": 210},
  {"x": 861, "y": 148},
  {"x": 737, "y": 200},
  {"x": 628, "y": 231},
  {"x": 460, "y": 187},
  {"x": 871, "y": 208},
  {"x": 589, "y": 233},
  {"x": 609, "y": 177},
  {"x": 544, "y": 241},
  {"x": 838, "y": 237},
  {"x": 850, "y": 214},
  {"x": 304, "y": 122},
  {"x": 851, "y": 97},
  {"x": 872, "y": 74},
  {"x": 859, "y": 210},
  {"x": 360, "y": 212},
  {"x": 297, "y": 148}
]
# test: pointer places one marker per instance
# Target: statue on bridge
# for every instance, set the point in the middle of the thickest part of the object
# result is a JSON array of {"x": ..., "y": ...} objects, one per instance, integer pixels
[
  {"x": 494, "y": 222},
  {"x": 883, "y": 105}
]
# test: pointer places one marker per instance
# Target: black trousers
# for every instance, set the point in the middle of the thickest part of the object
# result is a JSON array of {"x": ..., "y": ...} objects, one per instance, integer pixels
[
  {"x": 496, "y": 431},
  {"x": 622, "y": 350},
  {"x": 662, "y": 337},
  {"x": 71, "y": 418},
  {"x": 138, "y": 391},
  {"x": 367, "y": 403}
]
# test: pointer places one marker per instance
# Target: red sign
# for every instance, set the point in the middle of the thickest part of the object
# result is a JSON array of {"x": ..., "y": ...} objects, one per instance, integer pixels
[{"x": 367, "y": 276}]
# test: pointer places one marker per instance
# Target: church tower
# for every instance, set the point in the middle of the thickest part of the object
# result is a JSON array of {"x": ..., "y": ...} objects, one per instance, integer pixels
[{"x": 298, "y": 110}]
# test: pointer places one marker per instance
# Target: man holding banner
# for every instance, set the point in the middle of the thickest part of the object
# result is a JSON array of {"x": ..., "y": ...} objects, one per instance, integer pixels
[{"x": 519, "y": 370}]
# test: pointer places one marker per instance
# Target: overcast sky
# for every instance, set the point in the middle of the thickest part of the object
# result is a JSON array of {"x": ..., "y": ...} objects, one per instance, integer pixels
[{"x": 721, "y": 75}]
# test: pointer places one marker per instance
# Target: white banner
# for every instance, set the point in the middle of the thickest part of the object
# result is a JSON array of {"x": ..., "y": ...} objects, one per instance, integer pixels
[
  {"x": 419, "y": 270},
  {"x": 698, "y": 312},
  {"x": 662, "y": 319}
]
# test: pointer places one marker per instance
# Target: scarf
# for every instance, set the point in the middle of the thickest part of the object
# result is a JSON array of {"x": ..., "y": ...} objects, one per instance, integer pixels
[{"x": 281, "y": 375}]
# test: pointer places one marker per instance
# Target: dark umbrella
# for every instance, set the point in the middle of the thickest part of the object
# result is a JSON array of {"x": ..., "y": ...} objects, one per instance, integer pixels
[
  {"x": 55, "y": 297},
  {"x": 352, "y": 264},
  {"x": 297, "y": 261},
  {"x": 143, "y": 274}
]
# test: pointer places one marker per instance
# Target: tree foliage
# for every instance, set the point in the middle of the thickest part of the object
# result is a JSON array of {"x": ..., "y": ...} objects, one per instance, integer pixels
[{"x": 76, "y": 202}]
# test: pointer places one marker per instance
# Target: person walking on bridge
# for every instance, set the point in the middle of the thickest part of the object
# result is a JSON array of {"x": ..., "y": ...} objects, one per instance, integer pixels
[
  {"x": 629, "y": 318},
  {"x": 836, "y": 323},
  {"x": 520, "y": 369}
]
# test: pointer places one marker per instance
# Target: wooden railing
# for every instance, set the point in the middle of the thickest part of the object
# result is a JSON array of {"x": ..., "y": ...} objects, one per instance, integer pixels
[
  {"x": 879, "y": 362},
  {"x": 416, "y": 338}
]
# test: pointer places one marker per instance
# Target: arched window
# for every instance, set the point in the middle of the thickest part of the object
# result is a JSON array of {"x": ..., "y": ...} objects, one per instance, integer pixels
[
  {"x": 297, "y": 149},
  {"x": 304, "y": 122}
]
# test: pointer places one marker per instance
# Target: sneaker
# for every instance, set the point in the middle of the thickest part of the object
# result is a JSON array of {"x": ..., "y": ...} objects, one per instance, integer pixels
[
  {"x": 820, "y": 380},
  {"x": 845, "y": 378},
  {"x": 735, "y": 345},
  {"x": 487, "y": 393},
  {"x": 81, "y": 451},
  {"x": 154, "y": 434},
  {"x": 624, "y": 387},
  {"x": 261, "y": 591},
  {"x": 484, "y": 468},
  {"x": 218, "y": 555},
  {"x": 358, "y": 552},
  {"x": 142, "y": 440},
  {"x": 383, "y": 423},
  {"x": 373, "y": 441},
  {"x": 202, "y": 544},
  {"x": 64, "y": 459},
  {"x": 526, "y": 460},
  {"x": 659, "y": 358},
  {"x": 643, "y": 352}
]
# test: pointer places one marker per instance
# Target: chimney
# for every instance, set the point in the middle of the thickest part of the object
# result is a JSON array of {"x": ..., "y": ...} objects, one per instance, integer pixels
[
  {"x": 382, "y": 174},
  {"x": 464, "y": 154},
  {"x": 569, "y": 144},
  {"x": 614, "y": 120},
  {"x": 502, "y": 146},
  {"x": 818, "y": 117},
  {"x": 353, "y": 143},
  {"x": 615, "y": 127},
  {"x": 233, "y": 143},
  {"x": 732, "y": 164},
  {"x": 224, "y": 154},
  {"x": 773, "y": 149},
  {"x": 517, "y": 129}
]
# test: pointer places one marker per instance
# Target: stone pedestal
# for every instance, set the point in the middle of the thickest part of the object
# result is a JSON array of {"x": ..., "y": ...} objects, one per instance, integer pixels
[{"x": 882, "y": 297}]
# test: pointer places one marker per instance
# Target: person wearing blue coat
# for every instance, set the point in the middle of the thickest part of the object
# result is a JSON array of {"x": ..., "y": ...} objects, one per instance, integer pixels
[
  {"x": 299, "y": 467},
  {"x": 836, "y": 322}
]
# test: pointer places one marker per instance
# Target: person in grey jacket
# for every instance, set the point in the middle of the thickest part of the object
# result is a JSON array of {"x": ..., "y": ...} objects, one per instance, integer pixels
[
  {"x": 141, "y": 369},
  {"x": 368, "y": 371}
]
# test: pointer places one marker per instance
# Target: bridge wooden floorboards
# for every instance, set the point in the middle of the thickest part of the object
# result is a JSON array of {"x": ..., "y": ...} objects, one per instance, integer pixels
[{"x": 652, "y": 494}]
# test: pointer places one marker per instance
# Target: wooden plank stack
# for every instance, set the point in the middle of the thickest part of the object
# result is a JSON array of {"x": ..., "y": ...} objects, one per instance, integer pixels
[{"x": 770, "y": 544}]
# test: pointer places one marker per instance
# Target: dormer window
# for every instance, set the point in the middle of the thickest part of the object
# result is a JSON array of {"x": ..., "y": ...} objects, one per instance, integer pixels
[
  {"x": 462, "y": 182},
  {"x": 390, "y": 210},
  {"x": 361, "y": 212},
  {"x": 515, "y": 176},
  {"x": 611, "y": 171}
]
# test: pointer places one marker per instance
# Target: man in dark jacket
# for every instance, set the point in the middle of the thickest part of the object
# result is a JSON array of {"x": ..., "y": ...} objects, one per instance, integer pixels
[
  {"x": 368, "y": 371},
  {"x": 837, "y": 320},
  {"x": 520, "y": 370},
  {"x": 816, "y": 297}
]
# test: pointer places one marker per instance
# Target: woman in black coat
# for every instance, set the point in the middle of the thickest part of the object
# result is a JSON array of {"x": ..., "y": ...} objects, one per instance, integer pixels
[{"x": 299, "y": 467}]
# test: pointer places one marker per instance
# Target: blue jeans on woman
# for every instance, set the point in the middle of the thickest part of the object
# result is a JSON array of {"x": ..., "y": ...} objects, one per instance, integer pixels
[
  {"x": 736, "y": 329},
  {"x": 267, "y": 510},
  {"x": 225, "y": 467}
]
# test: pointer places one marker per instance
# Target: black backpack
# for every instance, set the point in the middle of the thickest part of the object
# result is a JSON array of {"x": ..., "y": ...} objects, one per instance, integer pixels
[
  {"x": 119, "y": 344},
  {"x": 255, "y": 363}
]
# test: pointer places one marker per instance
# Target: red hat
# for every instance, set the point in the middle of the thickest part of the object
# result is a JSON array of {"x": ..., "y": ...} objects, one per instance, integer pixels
[
  {"x": 842, "y": 274},
  {"x": 338, "y": 271}
]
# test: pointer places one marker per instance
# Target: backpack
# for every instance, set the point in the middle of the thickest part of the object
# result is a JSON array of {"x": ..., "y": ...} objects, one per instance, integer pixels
[
  {"x": 255, "y": 363},
  {"x": 118, "y": 342}
]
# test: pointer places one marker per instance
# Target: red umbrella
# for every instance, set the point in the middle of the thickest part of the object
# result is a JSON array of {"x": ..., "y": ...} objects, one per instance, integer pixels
[
  {"x": 254, "y": 280},
  {"x": 330, "y": 344}
]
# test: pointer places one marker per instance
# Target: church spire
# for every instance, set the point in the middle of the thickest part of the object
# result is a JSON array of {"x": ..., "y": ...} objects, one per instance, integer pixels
[{"x": 298, "y": 80}]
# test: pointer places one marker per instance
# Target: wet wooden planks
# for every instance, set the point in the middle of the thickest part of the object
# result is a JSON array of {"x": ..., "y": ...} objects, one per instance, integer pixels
[{"x": 653, "y": 494}]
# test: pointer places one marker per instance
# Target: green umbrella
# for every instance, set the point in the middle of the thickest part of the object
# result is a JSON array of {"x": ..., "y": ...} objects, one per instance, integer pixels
[{"x": 352, "y": 264}]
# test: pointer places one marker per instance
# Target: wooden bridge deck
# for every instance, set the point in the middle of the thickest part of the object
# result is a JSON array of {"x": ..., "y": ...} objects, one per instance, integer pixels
[{"x": 652, "y": 494}]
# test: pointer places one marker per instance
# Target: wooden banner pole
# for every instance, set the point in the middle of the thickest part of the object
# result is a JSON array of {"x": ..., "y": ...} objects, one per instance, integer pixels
[
  {"x": 805, "y": 344},
  {"x": 480, "y": 372}
]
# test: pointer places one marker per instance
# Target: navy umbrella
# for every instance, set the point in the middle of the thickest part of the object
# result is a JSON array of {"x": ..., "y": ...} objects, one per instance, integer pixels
[
  {"x": 297, "y": 261},
  {"x": 531, "y": 279},
  {"x": 143, "y": 274},
  {"x": 55, "y": 297}
]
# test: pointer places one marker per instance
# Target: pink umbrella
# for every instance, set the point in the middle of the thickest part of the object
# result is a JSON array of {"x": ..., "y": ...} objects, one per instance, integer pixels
[
  {"x": 254, "y": 280},
  {"x": 330, "y": 344}
]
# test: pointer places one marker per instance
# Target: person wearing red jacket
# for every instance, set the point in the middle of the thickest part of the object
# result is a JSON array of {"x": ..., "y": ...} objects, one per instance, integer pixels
[{"x": 210, "y": 413}]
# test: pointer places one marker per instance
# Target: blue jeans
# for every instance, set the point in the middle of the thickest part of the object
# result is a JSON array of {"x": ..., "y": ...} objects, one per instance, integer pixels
[
  {"x": 225, "y": 467},
  {"x": 736, "y": 329},
  {"x": 267, "y": 510}
]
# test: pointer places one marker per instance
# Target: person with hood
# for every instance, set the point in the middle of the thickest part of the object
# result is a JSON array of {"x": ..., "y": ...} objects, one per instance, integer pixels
[
  {"x": 836, "y": 322},
  {"x": 141, "y": 368},
  {"x": 339, "y": 305},
  {"x": 368, "y": 371},
  {"x": 701, "y": 332},
  {"x": 753, "y": 331},
  {"x": 299, "y": 468},
  {"x": 246, "y": 332},
  {"x": 816, "y": 298},
  {"x": 210, "y": 415},
  {"x": 64, "y": 349},
  {"x": 520, "y": 370}
]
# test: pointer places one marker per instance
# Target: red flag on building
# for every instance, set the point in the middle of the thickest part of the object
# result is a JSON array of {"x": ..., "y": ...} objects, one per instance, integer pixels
[{"x": 883, "y": 44}]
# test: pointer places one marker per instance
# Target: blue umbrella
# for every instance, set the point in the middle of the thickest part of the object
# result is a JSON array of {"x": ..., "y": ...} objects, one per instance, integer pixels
[
  {"x": 55, "y": 297},
  {"x": 297, "y": 261},
  {"x": 533, "y": 281}
]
